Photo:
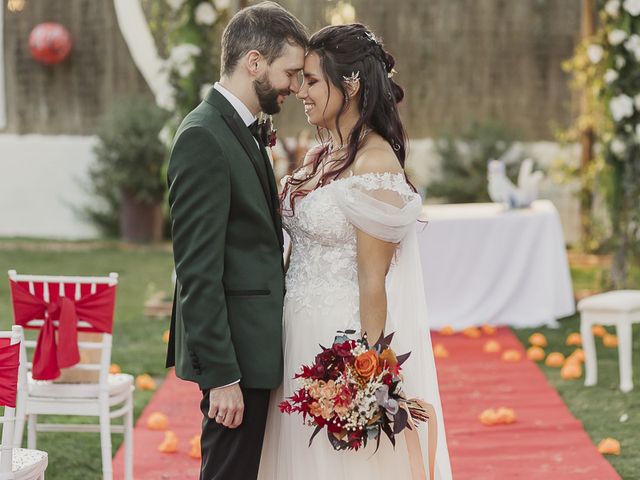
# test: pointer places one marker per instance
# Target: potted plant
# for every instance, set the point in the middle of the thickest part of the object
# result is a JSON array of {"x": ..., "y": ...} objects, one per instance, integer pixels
[{"x": 128, "y": 172}]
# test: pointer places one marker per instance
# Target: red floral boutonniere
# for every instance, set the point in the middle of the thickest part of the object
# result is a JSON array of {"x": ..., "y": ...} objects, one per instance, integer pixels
[{"x": 267, "y": 131}]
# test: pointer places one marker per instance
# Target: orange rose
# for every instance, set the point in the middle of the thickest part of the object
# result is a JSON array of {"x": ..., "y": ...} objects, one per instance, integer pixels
[
  {"x": 390, "y": 357},
  {"x": 366, "y": 364}
]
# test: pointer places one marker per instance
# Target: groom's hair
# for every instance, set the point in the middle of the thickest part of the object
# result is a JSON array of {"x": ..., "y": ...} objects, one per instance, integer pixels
[{"x": 264, "y": 27}]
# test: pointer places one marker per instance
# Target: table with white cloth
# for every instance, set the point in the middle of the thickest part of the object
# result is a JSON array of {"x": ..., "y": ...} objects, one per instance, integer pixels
[{"x": 484, "y": 264}]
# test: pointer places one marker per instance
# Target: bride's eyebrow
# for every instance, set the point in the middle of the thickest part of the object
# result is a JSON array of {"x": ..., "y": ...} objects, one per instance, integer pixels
[{"x": 308, "y": 75}]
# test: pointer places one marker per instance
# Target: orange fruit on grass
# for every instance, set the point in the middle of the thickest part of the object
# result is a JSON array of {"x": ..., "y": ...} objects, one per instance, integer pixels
[
  {"x": 609, "y": 446},
  {"x": 165, "y": 336},
  {"x": 555, "y": 359},
  {"x": 145, "y": 382},
  {"x": 598, "y": 331},
  {"x": 115, "y": 368},
  {"x": 610, "y": 341},
  {"x": 577, "y": 355},
  {"x": 535, "y": 354},
  {"x": 574, "y": 339},
  {"x": 538, "y": 340},
  {"x": 571, "y": 370}
]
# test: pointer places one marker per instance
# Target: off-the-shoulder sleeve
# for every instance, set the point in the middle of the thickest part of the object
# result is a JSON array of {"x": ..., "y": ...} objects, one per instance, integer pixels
[{"x": 380, "y": 204}]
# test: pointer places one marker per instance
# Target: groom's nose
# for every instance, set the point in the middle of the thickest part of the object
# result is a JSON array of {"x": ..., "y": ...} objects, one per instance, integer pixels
[{"x": 294, "y": 86}]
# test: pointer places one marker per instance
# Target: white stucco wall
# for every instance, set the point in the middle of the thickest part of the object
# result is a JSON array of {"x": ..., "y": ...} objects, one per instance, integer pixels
[{"x": 40, "y": 181}]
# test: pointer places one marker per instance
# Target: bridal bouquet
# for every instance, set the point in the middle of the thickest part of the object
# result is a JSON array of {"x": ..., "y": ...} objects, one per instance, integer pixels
[{"x": 354, "y": 391}]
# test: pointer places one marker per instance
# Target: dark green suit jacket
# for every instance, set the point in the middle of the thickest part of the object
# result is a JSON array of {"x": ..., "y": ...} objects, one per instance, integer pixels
[{"x": 227, "y": 244}]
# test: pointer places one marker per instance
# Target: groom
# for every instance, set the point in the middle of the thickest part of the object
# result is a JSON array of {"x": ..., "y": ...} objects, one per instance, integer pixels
[{"x": 226, "y": 325}]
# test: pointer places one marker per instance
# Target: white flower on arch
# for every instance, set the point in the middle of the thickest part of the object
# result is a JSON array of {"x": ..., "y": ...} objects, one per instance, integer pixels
[
  {"x": 616, "y": 37},
  {"x": 175, "y": 4},
  {"x": 632, "y": 6},
  {"x": 612, "y": 7},
  {"x": 205, "y": 14},
  {"x": 595, "y": 53},
  {"x": 621, "y": 107}
]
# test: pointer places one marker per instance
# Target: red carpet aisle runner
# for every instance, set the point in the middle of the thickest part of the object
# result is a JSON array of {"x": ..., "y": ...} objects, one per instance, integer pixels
[
  {"x": 546, "y": 442},
  {"x": 180, "y": 401}
]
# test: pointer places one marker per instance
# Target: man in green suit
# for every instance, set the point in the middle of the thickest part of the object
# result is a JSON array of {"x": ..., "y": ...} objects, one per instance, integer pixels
[{"x": 226, "y": 326}]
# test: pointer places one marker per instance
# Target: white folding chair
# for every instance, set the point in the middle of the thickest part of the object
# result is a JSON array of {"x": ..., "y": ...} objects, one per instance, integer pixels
[
  {"x": 110, "y": 397},
  {"x": 620, "y": 308},
  {"x": 18, "y": 463}
]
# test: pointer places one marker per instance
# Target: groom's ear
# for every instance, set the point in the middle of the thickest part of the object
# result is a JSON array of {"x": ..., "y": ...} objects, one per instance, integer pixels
[{"x": 254, "y": 62}]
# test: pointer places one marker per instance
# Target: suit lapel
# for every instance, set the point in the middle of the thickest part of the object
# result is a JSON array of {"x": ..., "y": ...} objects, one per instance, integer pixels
[
  {"x": 249, "y": 145},
  {"x": 259, "y": 159},
  {"x": 275, "y": 213}
]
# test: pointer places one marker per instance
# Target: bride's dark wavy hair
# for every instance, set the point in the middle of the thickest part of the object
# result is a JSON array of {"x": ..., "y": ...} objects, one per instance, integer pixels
[{"x": 344, "y": 50}]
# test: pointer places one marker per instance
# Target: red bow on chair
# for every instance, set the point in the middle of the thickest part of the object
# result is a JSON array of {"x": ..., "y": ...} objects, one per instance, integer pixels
[
  {"x": 9, "y": 362},
  {"x": 49, "y": 357}
]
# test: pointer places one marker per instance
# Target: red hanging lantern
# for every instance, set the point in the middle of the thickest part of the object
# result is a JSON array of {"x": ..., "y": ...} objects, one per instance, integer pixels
[{"x": 50, "y": 43}]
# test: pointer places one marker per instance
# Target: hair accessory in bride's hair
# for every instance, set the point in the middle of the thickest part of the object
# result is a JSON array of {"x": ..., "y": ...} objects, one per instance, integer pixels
[
  {"x": 391, "y": 73},
  {"x": 371, "y": 37},
  {"x": 352, "y": 79}
]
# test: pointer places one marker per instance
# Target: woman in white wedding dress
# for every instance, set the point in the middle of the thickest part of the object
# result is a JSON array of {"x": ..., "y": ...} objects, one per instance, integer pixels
[{"x": 354, "y": 264}]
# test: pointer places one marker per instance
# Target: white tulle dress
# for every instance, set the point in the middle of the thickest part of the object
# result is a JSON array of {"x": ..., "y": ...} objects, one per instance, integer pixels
[{"x": 323, "y": 297}]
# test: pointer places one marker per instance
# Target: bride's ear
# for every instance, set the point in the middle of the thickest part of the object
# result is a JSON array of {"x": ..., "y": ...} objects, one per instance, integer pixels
[{"x": 352, "y": 85}]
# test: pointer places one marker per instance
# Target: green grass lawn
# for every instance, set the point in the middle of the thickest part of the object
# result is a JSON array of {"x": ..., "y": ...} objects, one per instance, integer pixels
[
  {"x": 138, "y": 348},
  {"x": 137, "y": 341},
  {"x": 599, "y": 408}
]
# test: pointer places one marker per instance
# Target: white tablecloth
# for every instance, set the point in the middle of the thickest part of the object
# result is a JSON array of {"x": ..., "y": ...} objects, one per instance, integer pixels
[{"x": 483, "y": 264}]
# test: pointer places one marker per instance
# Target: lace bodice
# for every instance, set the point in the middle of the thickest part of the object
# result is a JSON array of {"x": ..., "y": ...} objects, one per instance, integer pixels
[{"x": 323, "y": 262}]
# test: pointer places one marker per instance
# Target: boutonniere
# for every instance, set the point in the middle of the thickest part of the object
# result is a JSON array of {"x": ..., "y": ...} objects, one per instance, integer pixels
[{"x": 267, "y": 131}]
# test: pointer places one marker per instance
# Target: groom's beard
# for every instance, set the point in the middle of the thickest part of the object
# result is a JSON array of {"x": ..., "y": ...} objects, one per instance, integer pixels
[{"x": 267, "y": 95}]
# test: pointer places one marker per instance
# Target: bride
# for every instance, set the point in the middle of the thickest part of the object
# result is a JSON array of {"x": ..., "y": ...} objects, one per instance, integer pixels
[{"x": 351, "y": 215}]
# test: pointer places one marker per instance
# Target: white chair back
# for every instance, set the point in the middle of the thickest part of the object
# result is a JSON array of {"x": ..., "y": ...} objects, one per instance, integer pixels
[
  {"x": 9, "y": 418},
  {"x": 78, "y": 286}
]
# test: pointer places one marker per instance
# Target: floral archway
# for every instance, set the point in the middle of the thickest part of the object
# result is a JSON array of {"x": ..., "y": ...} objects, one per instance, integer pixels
[{"x": 606, "y": 67}]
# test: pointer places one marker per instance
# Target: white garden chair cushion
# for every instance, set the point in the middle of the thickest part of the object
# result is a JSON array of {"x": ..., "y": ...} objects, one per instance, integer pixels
[
  {"x": 626, "y": 301},
  {"x": 118, "y": 383},
  {"x": 28, "y": 463}
]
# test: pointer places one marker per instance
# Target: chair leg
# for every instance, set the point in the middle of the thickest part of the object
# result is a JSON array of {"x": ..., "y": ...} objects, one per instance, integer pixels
[
  {"x": 128, "y": 440},
  {"x": 32, "y": 421},
  {"x": 623, "y": 329},
  {"x": 105, "y": 442},
  {"x": 589, "y": 346},
  {"x": 19, "y": 428}
]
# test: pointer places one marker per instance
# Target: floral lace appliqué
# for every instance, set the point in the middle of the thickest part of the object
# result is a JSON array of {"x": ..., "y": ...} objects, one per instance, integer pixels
[{"x": 323, "y": 264}]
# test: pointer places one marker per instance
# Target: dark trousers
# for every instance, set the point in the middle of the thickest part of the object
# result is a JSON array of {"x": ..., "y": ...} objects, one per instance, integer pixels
[{"x": 234, "y": 454}]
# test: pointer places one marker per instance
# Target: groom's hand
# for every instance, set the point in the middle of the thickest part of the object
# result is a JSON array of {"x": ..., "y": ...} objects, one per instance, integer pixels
[{"x": 226, "y": 405}]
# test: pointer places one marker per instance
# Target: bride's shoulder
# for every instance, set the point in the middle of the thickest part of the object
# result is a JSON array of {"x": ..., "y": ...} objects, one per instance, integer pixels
[{"x": 376, "y": 156}]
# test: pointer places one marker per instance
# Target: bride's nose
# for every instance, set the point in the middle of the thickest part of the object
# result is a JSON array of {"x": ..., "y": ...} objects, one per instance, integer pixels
[{"x": 301, "y": 94}]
